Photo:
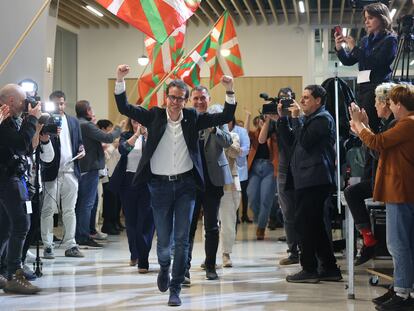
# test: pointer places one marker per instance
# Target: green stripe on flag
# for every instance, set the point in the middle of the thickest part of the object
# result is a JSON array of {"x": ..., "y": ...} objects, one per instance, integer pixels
[
  {"x": 154, "y": 20},
  {"x": 234, "y": 59}
]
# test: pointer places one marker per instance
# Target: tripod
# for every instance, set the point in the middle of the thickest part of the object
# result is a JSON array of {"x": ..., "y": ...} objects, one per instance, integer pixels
[
  {"x": 405, "y": 46},
  {"x": 37, "y": 265}
]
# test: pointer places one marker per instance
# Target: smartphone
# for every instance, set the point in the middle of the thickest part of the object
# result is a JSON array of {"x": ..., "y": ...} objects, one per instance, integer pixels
[
  {"x": 286, "y": 103},
  {"x": 338, "y": 30}
]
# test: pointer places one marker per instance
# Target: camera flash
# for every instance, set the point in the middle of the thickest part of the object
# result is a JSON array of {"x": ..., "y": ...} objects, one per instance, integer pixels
[
  {"x": 49, "y": 106},
  {"x": 28, "y": 87}
]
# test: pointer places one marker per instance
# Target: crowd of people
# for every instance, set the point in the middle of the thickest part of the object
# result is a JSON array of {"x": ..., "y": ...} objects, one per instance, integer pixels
[{"x": 166, "y": 165}]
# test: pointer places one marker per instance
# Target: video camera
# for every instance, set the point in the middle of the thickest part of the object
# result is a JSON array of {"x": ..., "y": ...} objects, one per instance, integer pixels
[
  {"x": 50, "y": 110},
  {"x": 271, "y": 107}
]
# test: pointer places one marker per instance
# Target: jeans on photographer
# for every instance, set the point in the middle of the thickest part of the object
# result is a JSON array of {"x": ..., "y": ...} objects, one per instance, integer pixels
[{"x": 14, "y": 222}]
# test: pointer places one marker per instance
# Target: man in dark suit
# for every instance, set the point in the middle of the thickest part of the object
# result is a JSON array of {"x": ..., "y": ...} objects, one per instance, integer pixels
[
  {"x": 171, "y": 165},
  {"x": 216, "y": 174},
  {"x": 61, "y": 178},
  {"x": 312, "y": 174}
]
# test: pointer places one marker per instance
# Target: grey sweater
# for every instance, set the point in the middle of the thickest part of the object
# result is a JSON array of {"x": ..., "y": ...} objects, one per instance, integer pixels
[{"x": 93, "y": 138}]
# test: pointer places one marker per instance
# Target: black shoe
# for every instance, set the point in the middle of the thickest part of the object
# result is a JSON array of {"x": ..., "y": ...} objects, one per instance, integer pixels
[
  {"x": 303, "y": 277},
  {"x": 282, "y": 239},
  {"x": 163, "y": 280},
  {"x": 211, "y": 273},
  {"x": 381, "y": 299},
  {"x": 367, "y": 253},
  {"x": 397, "y": 303},
  {"x": 110, "y": 230},
  {"x": 246, "y": 220},
  {"x": 174, "y": 300},
  {"x": 333, "y": 275},
  {"x": 272, "y": 226},
  {"x": 90, "y": 244}
]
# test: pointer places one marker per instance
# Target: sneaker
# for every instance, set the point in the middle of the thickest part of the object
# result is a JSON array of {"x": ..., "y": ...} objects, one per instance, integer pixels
[
  {"x": 174, "y": 300},
  {"x": 333, "y": 275},
  {"x": 366, "y": 254},
  {"x": 90, "y": 244},
  {"x": 397, "y": 303},
  {"x": 291, "y": 260},
  {"x": 381, "y": 299},
  {"x": 211, "y": 273},
  {"x": 3, "y": 281},
  {"x": 48, "y": 253},
  {"x": 99, "y": 236},
  {"x": 143, "y": 270},
  {"x": 186, "y": 282},
  {"x": 227, "y": 263},
  {"x": 29, "y": 273},
  {"x": 19, "y": 285},
  {"x": 30, "y": 257},
  {"x": 303, "y": 277},
  {"x": 74, "y": 252}
]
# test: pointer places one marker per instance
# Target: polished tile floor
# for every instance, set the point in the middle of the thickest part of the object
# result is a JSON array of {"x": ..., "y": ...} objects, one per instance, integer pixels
[{"x": 104, "y": 281}]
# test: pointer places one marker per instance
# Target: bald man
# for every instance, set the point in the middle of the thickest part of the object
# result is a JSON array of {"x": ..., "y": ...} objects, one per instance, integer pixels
[{"x": 15, "y": 143}]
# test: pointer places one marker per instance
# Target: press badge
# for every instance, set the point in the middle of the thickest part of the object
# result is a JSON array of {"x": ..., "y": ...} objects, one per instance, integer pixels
[
  {"x": 363, "y": 76},
  {"x": 29, "y": 207}
]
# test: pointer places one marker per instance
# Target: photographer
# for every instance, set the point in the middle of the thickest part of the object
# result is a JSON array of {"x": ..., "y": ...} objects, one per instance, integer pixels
[
  {"x": 286, "y": 196},
  {"x": 61, "y": 178},
  {"x": 15, "y": 143},
  {"x": 312, "y": 174},
  {"x": 374, "y": 56}
]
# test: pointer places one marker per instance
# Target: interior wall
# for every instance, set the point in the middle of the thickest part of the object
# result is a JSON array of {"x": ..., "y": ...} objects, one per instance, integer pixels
[
  {"x": 30, "y": 59},
  {"x": 267, "y": 51}
]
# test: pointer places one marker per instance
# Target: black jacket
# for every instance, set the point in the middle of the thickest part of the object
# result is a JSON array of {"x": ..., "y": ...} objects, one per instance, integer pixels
[
  {"x": 313, "y": 157},
  {"x": 50, "y": 170},
  {"x": 155, "y": 120}
]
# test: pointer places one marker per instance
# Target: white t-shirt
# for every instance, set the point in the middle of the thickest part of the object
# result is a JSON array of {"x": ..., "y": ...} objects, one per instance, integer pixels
[{"x": 66, "y": 153}]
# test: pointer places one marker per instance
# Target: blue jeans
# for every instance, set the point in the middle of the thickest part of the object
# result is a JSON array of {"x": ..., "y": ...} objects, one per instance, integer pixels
[
  {"x": 261, "y": 190},
  {"x": 400, "y": 243},
  {"x": 88, "y": 187},
  {"x": 172, "y": 206}
]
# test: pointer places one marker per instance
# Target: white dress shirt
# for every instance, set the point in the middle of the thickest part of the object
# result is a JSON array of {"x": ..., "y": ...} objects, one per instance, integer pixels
[
  {"x": 66, "y": 153},
  {"x": 134, "y": 156}
]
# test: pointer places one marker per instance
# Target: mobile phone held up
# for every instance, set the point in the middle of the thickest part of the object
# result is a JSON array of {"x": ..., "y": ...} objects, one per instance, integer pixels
[{"x": 338, "y": 30}]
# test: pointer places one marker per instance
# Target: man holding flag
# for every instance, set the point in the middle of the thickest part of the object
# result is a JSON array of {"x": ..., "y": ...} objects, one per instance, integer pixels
[{"x": 171, "y": 165}]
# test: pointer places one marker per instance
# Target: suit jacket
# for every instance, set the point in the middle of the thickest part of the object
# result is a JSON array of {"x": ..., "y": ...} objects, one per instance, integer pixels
[
  {"x": 50, "y": 170},
  {"x": 155, "y": 120},
  {"x": 395, "y": 172},
  {"x": 217, "y": 164}
]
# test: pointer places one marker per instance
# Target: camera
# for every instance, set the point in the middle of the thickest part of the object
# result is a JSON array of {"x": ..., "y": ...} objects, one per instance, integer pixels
[
  {"x": 271, "y": 107},
  {"x": 286, "y": 103},
  {"x": 50, "y": 114}
]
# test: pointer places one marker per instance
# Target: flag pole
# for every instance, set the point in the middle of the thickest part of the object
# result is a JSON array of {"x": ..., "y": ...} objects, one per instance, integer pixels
[
  {"x": 23, "y": 36},
  {"x": 180, "y": 62}
]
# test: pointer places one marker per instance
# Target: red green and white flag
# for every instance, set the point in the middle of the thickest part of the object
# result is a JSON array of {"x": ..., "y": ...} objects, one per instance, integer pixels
[
  {"x": 145, "y": 86},
  {"x": 189, "y": 70},
  {"x": 164, "y": 57},
  {"x": 156, "y": 18},
  {"x": 224, "y": 56}
]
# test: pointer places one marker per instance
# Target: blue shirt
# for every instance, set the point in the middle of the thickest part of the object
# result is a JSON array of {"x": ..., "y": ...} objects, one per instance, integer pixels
[
  {"x": 241, "y": 160},
  {"x": 375, "y": 53}
]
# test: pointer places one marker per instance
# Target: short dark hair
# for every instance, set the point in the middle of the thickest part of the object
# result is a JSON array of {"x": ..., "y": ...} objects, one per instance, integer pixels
[
  {"x": 286, "y": 90},
  {"x": 318, "y": 91},
  {"x": 199, "y": 88},
  {"x": 82, "y": 108},
  {"x": 57, "y": 94},
  {"x": 104, "y": 124},
  {"x": 178, "y": 84}
]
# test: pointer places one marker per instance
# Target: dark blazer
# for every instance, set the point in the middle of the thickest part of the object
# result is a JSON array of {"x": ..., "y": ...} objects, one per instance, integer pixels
[
  {"x": 155, "y": 120},
  {"x": 93, "y": 137},
  {"x": 50, "y": 170},
  {"x": 117, "y": 178},
  {"x": 313, "y": 158}
]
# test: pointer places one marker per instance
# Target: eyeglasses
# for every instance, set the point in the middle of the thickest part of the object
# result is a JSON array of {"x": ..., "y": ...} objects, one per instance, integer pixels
[{"x": 175, "y": 98}]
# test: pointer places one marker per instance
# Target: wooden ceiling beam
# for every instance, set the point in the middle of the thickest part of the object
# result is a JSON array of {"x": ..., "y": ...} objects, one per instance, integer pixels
[
  {"x": 71, "y": 16},
  {"x": 295, "y": 8},
  {"x": 70, "y": 22},
  {"x": 228, "y": 7},
  {"x": 285, "y": 13},
  {"x": 74, "y": 11},
  {"x": 208, "y": 11},
  {"x": 108, "y": 14},
  {"x": 216, "y": 7},
  {"x": 341, "y": 14},
  {"x": 307, "y": 8},
  {"x": 202, "y": 18},
  {"x": 274, "y": 12},
  {"x": 330, "y": 11},
  {"x": 239, "y": 9},
  {"x": 250, "y": 8},
  {"x": 85, "y": 13},
  {"x": 319, "y": 12},
  {"x": 262, "y": 10}
]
